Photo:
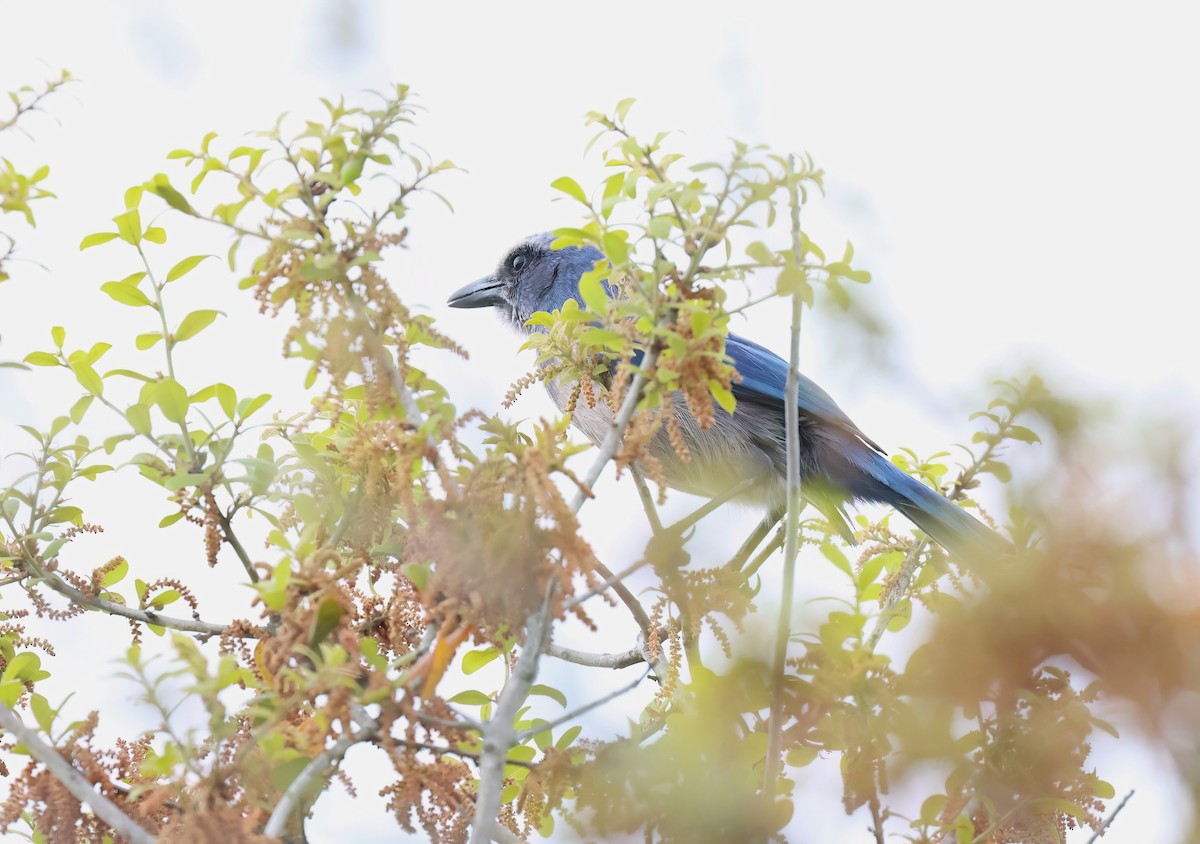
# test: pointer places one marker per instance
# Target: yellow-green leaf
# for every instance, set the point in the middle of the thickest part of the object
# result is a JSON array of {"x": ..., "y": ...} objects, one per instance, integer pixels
[
  {"x": 125, "y": 294},
  {"x": 139, "y": 418},
  {"x": 88, "y": 378},
  {"x": 194, "y": 323},
  {"x": 129, "y": 226},
  {"x": 96, "y": 239},
  {"x": 41, "y": 359},
  {"x": 227, "y": 398},
  {"x": 185, "y": 266},
  {"x": 115, "y": 576},
  {"x": 171, "y": 399},
  {"x": 723, "y": 397},
  {"x": 570, "y": 187}
]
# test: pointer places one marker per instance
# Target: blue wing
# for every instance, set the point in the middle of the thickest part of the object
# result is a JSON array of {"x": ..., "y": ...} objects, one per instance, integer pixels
[{"x": 764, "y": 380}]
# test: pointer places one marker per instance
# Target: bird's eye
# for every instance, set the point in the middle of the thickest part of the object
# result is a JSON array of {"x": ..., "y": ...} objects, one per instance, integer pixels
[{"x": 517, "y": 262}]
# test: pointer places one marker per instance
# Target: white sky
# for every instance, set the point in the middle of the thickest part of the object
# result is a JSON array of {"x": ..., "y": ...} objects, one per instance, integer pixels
[{"x": 1021, "y": 179}]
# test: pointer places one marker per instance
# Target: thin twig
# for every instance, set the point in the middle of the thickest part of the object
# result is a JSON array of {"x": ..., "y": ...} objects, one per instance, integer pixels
[
  {"x": 647, "y": 500},
  {"x": 877, "y": 820},
  {"x": 232, "y": 539},
  {"x": 612, "y": 442},
  {"x": 446, "y": 724},
  {"x": 583, "y": 710},
  {"x": 713, "y": 503},
  {"x": 899, "y": 591},
  {"x": 187, "y": 625},
  {"x": 313, "y": 771},
  {"x": 611, "y": 581},
  {"x": 767, "y": 550},
  {"x": 1107, "y": 821},
  {"x": 74, "y": 781},
  {"x": 791, "y": 523},
  {"x": 760, "y": 532}
]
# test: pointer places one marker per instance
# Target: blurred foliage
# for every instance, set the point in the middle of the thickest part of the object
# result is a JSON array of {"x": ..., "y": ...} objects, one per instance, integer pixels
[{"x": 397, "y": 552}]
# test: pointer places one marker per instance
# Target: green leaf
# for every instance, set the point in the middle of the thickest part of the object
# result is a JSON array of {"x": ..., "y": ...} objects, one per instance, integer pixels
[
  {"x": 185, "y": 266},
  {"x": 156, "y": 234},
  {"x": 171, "y": 399},
  {"x": 761, "y": 253},
  {"x": 125, "y": 294},
  {"x": 139, "y": 418},
  {"x": 79, "y": 409},
  {"x": 59, "y": 335},
  {"x": 550, "y": 692},
  {"x": 723, "y": 397},
  {"x": 166, "y": 521},
  {"x": 145, "y": 341},
  {"x": 471, "y": 697},
  {"x": 1025, "y": 435},
  {"x": 42, "y": 359},
  {"x": 247, "y": 407},
  {"x": 194, "y": 323},
  {"x": 129, "y": 226},
  {"x": 162, "y": 599},
  {"x": 10, "y": 691},
  {"x": 474, "y": 660},
  {"x": 603, "y": 337},
  {"x": 87, "y": 378},
  {"x": 564, "y": 741},
  {"x": 133, "y": 197},
  {"x": 227, "y": 398},
  {"x": 96, "y": 239},
  {"x": 161, "y": 187},
  {"x": 998, "y": 469},
  {"x": 570, "y": 187},
  {"x": 591, "y": 288},
  {"x": 835, "y": 556},
  {"x": 115, "y": 576},
  {"x": 42, "y": 712},
  {"x": 623, "y": 107},
  {"x": 329, "y": 613}
]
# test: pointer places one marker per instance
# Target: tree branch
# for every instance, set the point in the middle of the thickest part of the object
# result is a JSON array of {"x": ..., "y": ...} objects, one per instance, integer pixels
[
  {"x": 583, "y": 710},
  {"x": 313, "y": 771},
  {"x": 1107, "y": 821},
  {"x": 499, "y": 735},
  {"x": 625, "y": 659},
  {"x": 236, "y": 545},
  {"x": 792, "y": 521},
  {"x": 74, "y": 781},
  {"x": 187, "y": 625},
  {"x": 612, "y": 442},
  {"x": 647, "y": 500}
]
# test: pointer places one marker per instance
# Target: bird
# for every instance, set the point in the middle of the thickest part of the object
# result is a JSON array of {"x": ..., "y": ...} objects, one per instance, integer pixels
[{"x": 838, "y": 462}]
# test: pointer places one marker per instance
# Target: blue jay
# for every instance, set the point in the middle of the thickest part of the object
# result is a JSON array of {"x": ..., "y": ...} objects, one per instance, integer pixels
[{"x": 838, "y": 462}]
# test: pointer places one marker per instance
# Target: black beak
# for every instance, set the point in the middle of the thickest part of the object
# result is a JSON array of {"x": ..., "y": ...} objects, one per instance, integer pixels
[{"x": 478, "y": 294}]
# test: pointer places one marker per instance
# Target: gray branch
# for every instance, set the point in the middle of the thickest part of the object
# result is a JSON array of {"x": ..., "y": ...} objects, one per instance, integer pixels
[
  {"x": 791, "y": 522},
  {"x": 499, "y": 734},
  {"x": 76, "y": 783},
  {"x": 313, "y": 771},
  {"x": 187, "y": 625},
  {"x": 625, "y": 659}
]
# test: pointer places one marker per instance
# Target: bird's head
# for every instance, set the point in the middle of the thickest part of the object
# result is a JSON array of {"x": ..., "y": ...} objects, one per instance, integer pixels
[{"x": 532, "y": 277}]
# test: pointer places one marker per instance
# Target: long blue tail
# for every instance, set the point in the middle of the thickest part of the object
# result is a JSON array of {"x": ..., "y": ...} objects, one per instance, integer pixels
[{"x": 871, "y": 476}]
